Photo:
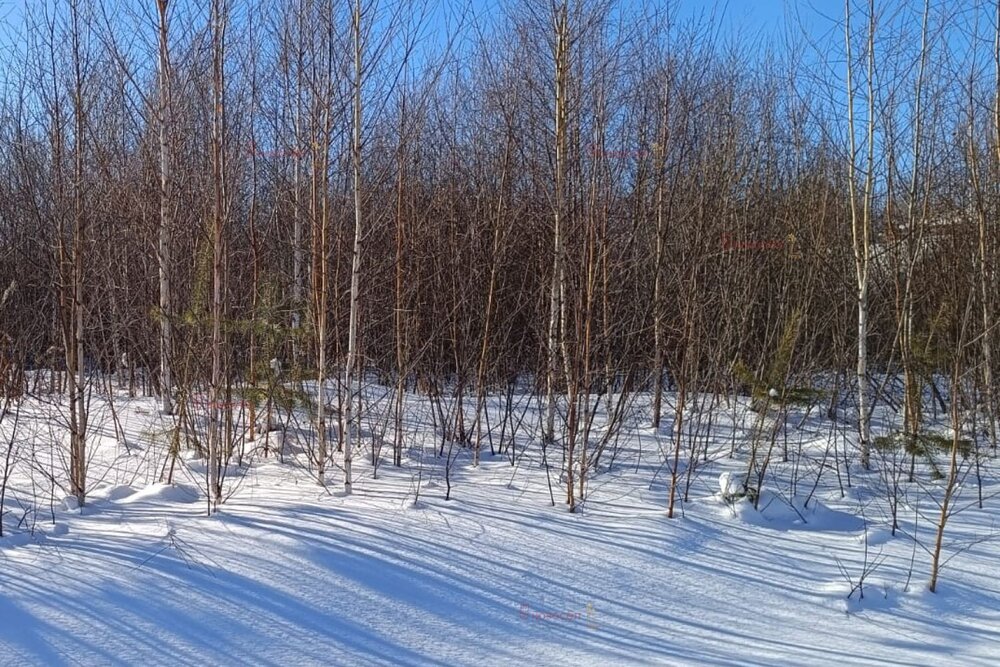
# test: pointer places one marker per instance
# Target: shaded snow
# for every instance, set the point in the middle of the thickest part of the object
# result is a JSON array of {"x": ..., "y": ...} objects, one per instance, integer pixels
[{"x": 288, "y": 573}]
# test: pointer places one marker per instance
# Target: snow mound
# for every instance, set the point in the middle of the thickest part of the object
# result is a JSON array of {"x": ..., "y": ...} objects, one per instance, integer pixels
[
  {"x": 165, "y": 493},
  {"x": 729, "y": 485},
  {"x": 10, "y": 540},
  {"x": 111, "y": 493},
  {"x": 876, "y": 536},
  {"x": 780, "y": 513},
  {"x": 56, "y": 530}
]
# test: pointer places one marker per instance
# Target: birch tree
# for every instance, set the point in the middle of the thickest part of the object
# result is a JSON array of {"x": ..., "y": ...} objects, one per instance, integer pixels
[
  {"x": 352, "y": 330},
  {"x": 557, "y": 287},
  {"x": 75, "y": 359},
  {"x": 861, "y": 211}
]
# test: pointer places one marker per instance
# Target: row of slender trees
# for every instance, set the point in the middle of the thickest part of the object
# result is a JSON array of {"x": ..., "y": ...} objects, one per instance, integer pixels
[{"x": 581, "y": 197}]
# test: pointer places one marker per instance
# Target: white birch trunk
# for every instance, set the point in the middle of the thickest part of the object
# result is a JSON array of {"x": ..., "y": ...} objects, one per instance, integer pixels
[{"x": 352, "y": 327}]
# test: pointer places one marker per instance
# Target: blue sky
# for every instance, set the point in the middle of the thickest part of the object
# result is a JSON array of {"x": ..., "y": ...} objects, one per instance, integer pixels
[
  {"x": 751, "y": 15},
  {"x": 10, "y": 13},
  {"x": 759, "y": 22},
  {"x": 748, "y": 16}
]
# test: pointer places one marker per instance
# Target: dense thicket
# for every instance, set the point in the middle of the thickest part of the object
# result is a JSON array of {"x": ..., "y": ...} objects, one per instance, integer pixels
[{"x": 580, "y": 196}]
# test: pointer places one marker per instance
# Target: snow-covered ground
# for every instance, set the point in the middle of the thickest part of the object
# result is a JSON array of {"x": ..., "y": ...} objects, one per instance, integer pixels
[{"x": 289, "y": 573}]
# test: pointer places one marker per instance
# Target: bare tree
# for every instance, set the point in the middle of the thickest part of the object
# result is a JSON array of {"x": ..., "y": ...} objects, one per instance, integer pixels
[
  {"x": 861, "y": 212},
  {"x": 164, "y": 253},
  {"x": 352, "y": 330},
  {"x": 220, "y": 211}
]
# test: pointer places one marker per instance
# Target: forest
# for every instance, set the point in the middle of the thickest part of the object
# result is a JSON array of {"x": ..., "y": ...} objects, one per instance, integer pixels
[{"x": 308, "y": 230}]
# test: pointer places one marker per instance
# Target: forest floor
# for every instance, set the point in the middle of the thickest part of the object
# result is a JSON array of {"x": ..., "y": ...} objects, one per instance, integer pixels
[{"x": 289, "y": 573}]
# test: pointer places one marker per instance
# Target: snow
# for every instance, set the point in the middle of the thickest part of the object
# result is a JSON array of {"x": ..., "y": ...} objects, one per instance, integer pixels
[
  {"x": 290, "y": 573},
  {"x": 729, "y": 485},
  {"x": 776, "y": 512}
]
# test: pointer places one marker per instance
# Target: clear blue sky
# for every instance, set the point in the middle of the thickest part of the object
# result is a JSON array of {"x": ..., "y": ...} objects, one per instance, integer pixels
[
  {"x": 763, "y": 22},
  {"x": 739, "y": 16}
]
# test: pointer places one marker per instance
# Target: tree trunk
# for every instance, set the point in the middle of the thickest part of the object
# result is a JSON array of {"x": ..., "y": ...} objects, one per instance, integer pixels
[
  {"x": 164, "y": 255},
  {"x": 352, "y": 330}
]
